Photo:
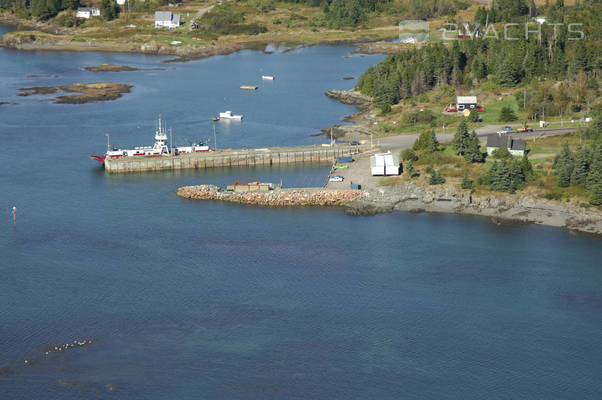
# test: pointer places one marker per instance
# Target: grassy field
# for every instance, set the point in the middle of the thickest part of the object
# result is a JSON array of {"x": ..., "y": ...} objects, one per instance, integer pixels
[{"x": 453, "y": 168}]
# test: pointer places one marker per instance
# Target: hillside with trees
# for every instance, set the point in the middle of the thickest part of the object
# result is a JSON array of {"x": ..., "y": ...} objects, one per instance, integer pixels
[{"x": 573, "y": 66}]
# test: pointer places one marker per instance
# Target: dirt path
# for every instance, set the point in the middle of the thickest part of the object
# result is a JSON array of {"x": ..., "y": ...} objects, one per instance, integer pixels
[{"x": 199, "y": 14}]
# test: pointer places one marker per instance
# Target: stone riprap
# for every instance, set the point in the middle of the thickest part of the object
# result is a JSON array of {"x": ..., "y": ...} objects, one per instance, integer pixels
[{"x": 274, "y": 198}]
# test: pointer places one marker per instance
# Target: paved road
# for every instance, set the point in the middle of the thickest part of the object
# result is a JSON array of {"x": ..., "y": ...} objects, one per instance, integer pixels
[{"x": 401, "y": 142}]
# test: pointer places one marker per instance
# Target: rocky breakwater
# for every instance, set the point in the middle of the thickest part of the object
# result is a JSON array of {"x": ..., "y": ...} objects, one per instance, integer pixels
[
  {"x": 525, "y": 206},
  {"x": 273, "y": 198}
]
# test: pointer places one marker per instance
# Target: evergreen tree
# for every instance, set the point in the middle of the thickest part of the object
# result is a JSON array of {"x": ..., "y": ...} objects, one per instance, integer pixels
[
  {"x": 516, "y": 175},
  {"x": 507, "y": 115},
  {"x": 581, "y": 166},
  {"x": 508, "y": 74},
  {"x": 436, "y": 178},
  {"x": 466, "y": 182},
  {"x": 472, "y": 152},
  {"x": 108, "y": 9},
  {"x": 461, "y": 138},
  {"x": 427, "y": 141},
  {"x": 500, "y": 177},
  {"x": 501, "y": 153},
  {"x": 563, "y": 164},
  {"x": 473, "y": 116},
  {"x": 594, "y": 177},
  {"x": 69, "y": 4},
  {"x": 564, "y": 175},
  {"x": 527, "y": 168},
  {"x": 410, "y": 169}
]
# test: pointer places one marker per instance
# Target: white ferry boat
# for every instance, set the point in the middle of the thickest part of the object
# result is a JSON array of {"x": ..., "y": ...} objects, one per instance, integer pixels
[
  {"x": 228, "y": 115},
  {"x": 160, "y": 148}
]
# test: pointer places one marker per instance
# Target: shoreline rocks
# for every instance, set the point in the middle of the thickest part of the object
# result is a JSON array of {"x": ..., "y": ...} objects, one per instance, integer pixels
[
  {"x": 522, "y": 207},
  {"x": 351, "y": 97},
  {"x": 273, "y": 198}
]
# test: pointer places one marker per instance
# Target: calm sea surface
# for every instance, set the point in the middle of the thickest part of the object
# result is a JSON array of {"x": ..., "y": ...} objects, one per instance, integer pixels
[{"x": 202, "y": 300}]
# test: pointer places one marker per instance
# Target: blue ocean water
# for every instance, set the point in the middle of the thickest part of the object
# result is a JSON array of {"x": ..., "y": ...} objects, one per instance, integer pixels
[{"x": 203, "y": 300}]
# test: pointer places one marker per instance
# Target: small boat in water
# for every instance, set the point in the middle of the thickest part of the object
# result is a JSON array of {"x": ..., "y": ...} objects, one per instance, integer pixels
[
  {"x": 228, "y": 115},
  {"x": 216, "y": 118},
  {"x": 267, "y": 77}
]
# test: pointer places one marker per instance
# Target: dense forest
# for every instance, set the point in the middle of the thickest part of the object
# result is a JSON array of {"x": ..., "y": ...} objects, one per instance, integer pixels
[{"x": 554, "y": 56}]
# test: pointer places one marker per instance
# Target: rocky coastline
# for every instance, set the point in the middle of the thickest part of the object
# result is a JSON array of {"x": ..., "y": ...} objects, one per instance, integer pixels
[
  {"x": 526, "y": 206},
  {"x": 523, "y": 207},
  {"x": 273, "y": 198},
  {"x": 49, "y": 42}
]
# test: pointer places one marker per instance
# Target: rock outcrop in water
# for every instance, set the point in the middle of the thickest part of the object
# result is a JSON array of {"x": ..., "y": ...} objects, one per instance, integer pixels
[
  {"x": 110, "y": 68},
  {"x": 273, "y": 198},
  {"x": 85, "y": 92},
  {"x": 350, "y": 97},
  {"x": 525, "y": 206}
]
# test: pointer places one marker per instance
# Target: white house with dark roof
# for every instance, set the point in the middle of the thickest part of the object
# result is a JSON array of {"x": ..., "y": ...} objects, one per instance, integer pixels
[
  {"x": 87, "y": 12},
  {"x": 166, "y": 19},
  {"x": 516, "y": 147},
  {"x": 466, "y": 102}
]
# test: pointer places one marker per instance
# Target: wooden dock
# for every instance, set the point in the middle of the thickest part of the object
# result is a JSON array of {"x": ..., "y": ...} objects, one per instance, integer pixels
[{"x": 314, "y": 154}]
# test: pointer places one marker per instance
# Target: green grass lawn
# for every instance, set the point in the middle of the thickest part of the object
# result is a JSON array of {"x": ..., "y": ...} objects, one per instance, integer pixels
[{"x": 492, "y": 111}]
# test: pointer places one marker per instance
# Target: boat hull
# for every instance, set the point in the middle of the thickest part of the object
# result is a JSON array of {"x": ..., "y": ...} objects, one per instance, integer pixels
[{"x": 100, "y": 159}]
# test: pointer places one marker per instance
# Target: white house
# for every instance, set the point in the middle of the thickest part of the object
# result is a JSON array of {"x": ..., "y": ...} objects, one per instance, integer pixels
[
  {"x": 465, "y": 102},
  {"x": 87, "y": 12},
  {"x": 166, "y": 19},
  {"x": 516, "y": 147},
  {"x": 384, "y": 164}
]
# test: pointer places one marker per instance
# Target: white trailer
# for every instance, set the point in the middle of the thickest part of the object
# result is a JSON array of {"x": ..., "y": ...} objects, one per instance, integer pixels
[
  {"x": 384, "y": 164},
  {"x": 377, "y": 165}
]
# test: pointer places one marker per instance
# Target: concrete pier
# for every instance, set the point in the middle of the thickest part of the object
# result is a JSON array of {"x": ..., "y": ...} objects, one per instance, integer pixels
[{"x": 234, "y": 158}]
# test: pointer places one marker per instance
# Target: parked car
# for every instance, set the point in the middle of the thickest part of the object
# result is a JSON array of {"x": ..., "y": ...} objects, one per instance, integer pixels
[
  {"x": 354, "y": 143},
  {"x": 341, "y": 166},
  {"x": 336, "y": 178},
  {"x": 524, "y": 129},
  {"x": 505, "y": 129}
]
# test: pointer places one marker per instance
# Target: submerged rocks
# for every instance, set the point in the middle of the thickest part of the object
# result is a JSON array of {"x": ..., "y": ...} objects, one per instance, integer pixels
[{"x": 273, "y": 198}]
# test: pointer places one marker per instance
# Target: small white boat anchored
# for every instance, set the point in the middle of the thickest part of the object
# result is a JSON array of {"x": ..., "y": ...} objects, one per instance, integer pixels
[
  {"x": 267, "y": 77},
  {"x": 228, "y": 115}
]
